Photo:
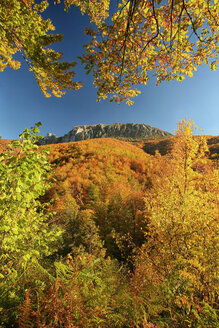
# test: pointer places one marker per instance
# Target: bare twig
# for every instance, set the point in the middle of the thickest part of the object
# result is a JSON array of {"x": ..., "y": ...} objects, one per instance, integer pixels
[
  {"x": 171, "y": 23},
  {"x": 192, "y": 22}
]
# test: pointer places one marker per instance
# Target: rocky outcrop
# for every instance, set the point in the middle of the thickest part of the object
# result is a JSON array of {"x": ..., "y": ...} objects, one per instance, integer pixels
[
  {"x": 129, "y": 130},
  {"x": 50, "y": 138}
]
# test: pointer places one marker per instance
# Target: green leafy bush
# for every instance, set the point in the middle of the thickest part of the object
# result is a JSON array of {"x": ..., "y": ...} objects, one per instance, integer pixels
[{"x": 26, "y": 234}]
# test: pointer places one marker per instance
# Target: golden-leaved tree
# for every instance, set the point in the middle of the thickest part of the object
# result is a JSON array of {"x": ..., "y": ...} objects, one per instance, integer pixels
[
  {"x": 23, "y": 30},
  {"x": 175, "y": 281},
  {"x": 168, "y": 38}
]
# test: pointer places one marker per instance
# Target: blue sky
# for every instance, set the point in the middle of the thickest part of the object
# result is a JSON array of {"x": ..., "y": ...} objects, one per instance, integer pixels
[{"x": 22, "y": 104}]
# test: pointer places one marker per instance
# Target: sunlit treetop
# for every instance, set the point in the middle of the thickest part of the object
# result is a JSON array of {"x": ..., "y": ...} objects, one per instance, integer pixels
[{"x": 130, "y": 42}]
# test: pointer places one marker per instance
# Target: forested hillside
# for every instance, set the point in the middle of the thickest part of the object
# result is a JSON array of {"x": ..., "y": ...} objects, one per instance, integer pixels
[
  {"x": 163, "y": 145},
  {"x": 98, "y": 233},
  {"x": 105, "y": 179}
]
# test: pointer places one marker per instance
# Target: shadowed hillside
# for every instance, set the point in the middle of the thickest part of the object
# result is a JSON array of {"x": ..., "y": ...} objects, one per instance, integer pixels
[{"x": 165, "y": 145}]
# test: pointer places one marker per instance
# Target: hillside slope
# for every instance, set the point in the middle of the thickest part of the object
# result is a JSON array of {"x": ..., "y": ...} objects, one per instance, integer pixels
[
  {"x": 150, "y": 146},
  {"x": 165, "y": 145},
  {"x": 102, "y": 179}
]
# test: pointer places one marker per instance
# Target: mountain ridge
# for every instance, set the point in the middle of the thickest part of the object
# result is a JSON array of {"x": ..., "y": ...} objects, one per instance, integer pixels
[{"x": 116, "y": 130}]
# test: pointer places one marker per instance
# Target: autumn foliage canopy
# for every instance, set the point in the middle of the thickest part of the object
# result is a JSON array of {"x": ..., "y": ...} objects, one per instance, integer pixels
[{"x": 130, "y": 42}]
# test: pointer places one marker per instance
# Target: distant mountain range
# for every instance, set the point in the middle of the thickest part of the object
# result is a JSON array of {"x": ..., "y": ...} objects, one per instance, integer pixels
[{"x": 117, "y": 130}]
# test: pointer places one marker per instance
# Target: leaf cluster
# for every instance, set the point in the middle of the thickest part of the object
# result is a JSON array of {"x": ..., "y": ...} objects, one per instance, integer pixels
[{"x": 24, "y": 31}]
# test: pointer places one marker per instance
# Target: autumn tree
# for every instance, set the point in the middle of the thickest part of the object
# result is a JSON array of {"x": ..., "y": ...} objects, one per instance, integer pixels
[
  {"x": 175, "y": 281},
  {"x": 24, "y": 31},
  {"x": 168, "y": 38},
  {"x": 27, "y": 234},
  {"x": 130, "y": 41}
]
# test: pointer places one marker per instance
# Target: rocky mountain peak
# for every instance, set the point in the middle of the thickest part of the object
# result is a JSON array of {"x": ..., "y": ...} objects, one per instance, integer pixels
[{"x": 116, "y": 130}]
